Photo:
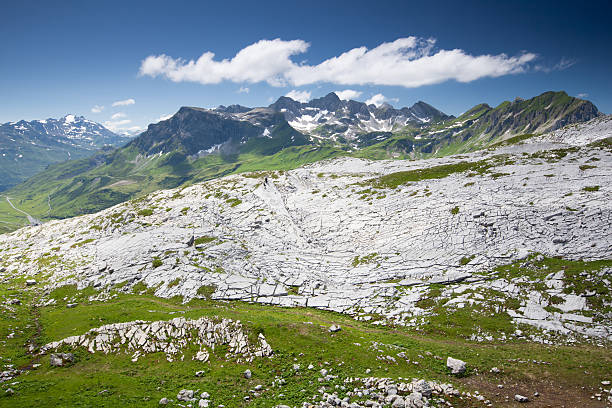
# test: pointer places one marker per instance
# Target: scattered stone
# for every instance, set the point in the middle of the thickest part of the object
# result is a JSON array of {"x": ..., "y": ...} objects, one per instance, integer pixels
[
  {"x": 30, "y": 282},
  {"x": 334, "y": 328},
  {"x": 456, "y": 366},
  {"x": 423, "y": 387},
  {"x": 495, "y": 370},
  {"x": 521, "y": 398},
  {"x": 164, "y": 401},
  {"x": 248, "y": 374},
  {"x": 185, "y": 395},
  {"x": 71, "y": 305},
  {"x": 61, "y": 359}
]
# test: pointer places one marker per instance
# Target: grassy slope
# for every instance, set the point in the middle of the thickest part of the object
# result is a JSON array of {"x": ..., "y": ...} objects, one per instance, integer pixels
[{"x": 294, "y": 340}]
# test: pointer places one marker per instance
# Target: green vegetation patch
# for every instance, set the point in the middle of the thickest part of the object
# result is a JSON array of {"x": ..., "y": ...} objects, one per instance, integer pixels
[{"x": 399, "y": 178}]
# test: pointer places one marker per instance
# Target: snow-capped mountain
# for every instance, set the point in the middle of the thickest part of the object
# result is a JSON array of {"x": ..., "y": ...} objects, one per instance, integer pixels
[
  {"x": 27, "y": 147},
  {"x": 70, "y": 129},
  {"x": 330, "y": 116}
]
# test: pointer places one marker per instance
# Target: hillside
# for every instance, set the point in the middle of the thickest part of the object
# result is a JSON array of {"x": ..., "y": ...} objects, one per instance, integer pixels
[
  {"x": 26, "y": 148},
  {"x": 384, "y": 269},
  {"x": 202, "y": 144}
]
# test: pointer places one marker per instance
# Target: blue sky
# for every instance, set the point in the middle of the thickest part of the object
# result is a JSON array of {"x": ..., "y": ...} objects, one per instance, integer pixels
[{"x": 69, "y": 57}]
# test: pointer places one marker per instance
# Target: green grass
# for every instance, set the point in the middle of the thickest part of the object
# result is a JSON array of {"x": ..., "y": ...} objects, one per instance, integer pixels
[
  {"x": 399, "y": 178},
  {"x": 204, "y": 240},
  {"x": 348, "y": 353}
]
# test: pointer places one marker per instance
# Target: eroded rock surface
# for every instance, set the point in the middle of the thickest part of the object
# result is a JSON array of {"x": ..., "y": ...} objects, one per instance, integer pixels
[
  {"x": 323, "y": 236},
  {"x": 170, "y": 337}
]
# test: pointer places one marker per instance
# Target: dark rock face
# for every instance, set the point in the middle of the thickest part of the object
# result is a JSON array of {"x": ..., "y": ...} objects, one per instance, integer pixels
[
  {"x": 353, "y": 111},
  {"x": 192, "y": 130}
]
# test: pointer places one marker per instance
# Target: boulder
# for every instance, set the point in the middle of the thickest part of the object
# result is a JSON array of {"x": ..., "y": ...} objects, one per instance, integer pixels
[
  {"x": 334, "y": 328},
  {"x": 521, "y": 398},
  {"x": 248, "y": 374},
  {"x": 61, "y": 359},
  {"x": 185, "y": 395},
  {"x": 456, "y": 366},
  {"x": 423, "y": 387}
]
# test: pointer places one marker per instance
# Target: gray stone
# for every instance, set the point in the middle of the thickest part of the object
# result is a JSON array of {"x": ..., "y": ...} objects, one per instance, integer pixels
[
  {"x": 334, "y": 328},
  {"x": 521, "y": 398},
  {"x": 423, "y": 387},
  {"x": 61, "y": 359},
  {"x": 185, "y": 395},
  {"x": 164, "y": 401},
  {"x": 456, "y": 366},
  {"x": 248, "y": 374}
]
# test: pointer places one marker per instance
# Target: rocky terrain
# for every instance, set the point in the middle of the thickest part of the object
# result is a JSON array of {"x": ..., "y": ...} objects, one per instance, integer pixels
[
  {"x": 359, "y": 237},
  {"x": 504, "y": 251}
]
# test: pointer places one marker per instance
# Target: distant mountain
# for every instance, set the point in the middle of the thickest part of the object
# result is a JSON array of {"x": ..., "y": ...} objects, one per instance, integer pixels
[
  {"x": 483, "y": 125},
  {"x": 331, "y": 117},
  {"x": 28, "y": 147},
  {"x": 197, "y": 132},
  {"x": 198, "y": 144}
]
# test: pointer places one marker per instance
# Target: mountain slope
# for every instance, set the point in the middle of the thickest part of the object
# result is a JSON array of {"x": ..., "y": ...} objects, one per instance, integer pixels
[
  {"x": 332, "y": 118},
  {"x": 201, "y": 144},
  {"x": 26, "y": 148},
  {"x": 483, "y": 126}
]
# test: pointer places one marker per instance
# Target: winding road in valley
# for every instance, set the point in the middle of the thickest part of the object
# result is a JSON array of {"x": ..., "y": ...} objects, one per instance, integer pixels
[{"x": 31, "y": 220}]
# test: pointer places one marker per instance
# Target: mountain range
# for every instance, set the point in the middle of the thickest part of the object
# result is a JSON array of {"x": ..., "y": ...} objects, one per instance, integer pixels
[
  {"x": 27, "y": 147},
  {"x": 199, "y": 144}
]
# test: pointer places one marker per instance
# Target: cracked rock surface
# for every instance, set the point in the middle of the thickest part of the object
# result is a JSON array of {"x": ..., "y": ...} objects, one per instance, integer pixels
[
  {"x": 321, "y": 236},
  {"x": 170, "y": 337}
]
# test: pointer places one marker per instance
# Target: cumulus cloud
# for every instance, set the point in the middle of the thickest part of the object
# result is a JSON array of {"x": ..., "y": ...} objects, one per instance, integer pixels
[
  {"x": 583, "y": 95},
  {"x": 264, "y": 61},
  {"x": 348, "y": 94},
  {"x": 124, "y": 102},
  {"x": 118, "y": 115},
  {"x": 244, "y": 89},
  {"x": 97, "y": 109},
  {"x": 409, "y": 62},
  {"x": 300, "y": 96},
  {"x": 377, "y": 100}
]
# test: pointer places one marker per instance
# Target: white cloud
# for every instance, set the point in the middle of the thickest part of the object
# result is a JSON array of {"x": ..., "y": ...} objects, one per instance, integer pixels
[
  {"x": 377, "y": 100},
  {"x": 244, "y": 89},
  {"x": 97, "y": 109},
  {"x": 118, "y": 115},
  {"x": 163, "y": 117},
  {"x": 562, "y": 65},
  {"x": 124, "y": 102},
  {"x": 409, "y": 62},
  {"x": 132, "y": 130},
  {"x": 300, "y": 96},
  {"x": 117, "y": 125},
  {"x": 583, "y": 95},
  {"x": 348, "y": 94},
  {"x": 266, "y": 60}
]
